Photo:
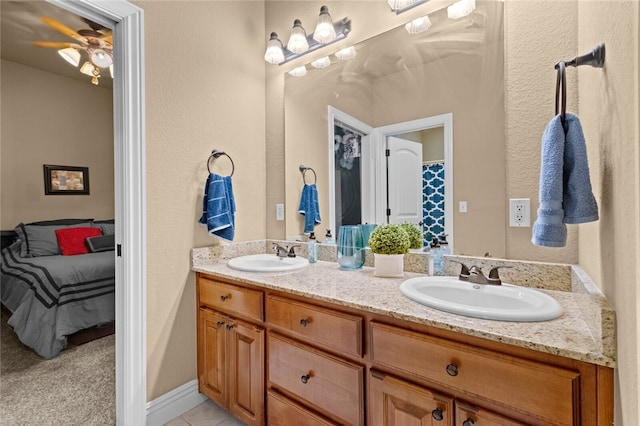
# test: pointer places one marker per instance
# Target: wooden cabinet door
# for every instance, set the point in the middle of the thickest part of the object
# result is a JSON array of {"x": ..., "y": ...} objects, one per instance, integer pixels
[
  {"x": 212, "y": 378},
  {"x": 394, "y": 402},
  {"x": 469, "y": 415},
  {"x": 245, "y": 346}
]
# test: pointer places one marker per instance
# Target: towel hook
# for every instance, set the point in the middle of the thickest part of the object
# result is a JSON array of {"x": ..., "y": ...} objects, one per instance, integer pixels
[
  {"x": 215, "y": 154},
  {"x": 304, "y": 170},
  {"x": 561, "y": 99},
  {"x": 595, "y": 58}
]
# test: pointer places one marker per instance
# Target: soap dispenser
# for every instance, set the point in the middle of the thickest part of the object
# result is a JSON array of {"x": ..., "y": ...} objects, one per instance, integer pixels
[
  {"x": 328, "y": 238},
  {"x": 437, "y": 256},
  {"x": 312, "y": 248},
  {"x": 444, "y": 250}
]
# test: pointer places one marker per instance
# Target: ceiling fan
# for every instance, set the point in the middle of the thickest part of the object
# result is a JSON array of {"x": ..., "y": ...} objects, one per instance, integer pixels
[{"x": 97, "y": 42}]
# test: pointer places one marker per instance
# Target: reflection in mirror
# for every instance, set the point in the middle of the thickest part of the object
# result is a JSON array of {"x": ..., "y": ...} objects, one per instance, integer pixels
[{"x": 456, "y": 68}]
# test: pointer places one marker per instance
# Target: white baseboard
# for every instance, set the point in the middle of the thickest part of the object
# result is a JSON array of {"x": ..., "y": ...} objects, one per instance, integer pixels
[{"x": 174, "y": 404}]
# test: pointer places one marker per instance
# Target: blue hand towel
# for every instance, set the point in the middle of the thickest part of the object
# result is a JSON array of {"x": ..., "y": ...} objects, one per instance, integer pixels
[
  {"x": 218, "y": 207},
  {"x": 309, "y": 207},
  {"x": 578, "y": 201},
  {"x": 565, "y": 189},
  {"x": 549, "y": 229}
]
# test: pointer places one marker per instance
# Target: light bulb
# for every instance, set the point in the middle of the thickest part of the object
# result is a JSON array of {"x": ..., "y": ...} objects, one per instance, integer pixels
[
  {"x": 321, "y": 63},
  {"x": 346, "y": 53},
  {"x": 298, "y": 72},
  {"x": 100, "y": 58},
  {"x": 298, "y": 39},
  {"x": 274, "y": 54},
  {"x": 418, "y": 25},
  {"x": 325, "y": 32},
  {"x": 70, "y": 55}
]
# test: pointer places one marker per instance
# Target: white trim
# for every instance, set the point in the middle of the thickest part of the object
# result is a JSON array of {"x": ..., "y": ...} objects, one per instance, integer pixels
[
  {"x": 367, "y": 191},
  {"x": 380, "y": 138},
  {"x": 126, "y": 20},
  {"x": 173, "y": 404}
]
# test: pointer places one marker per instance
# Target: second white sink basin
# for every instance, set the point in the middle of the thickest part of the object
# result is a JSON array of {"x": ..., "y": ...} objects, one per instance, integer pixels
[
  {"x": 495, "y": 302},
  {"x": 267, "y": 263}
]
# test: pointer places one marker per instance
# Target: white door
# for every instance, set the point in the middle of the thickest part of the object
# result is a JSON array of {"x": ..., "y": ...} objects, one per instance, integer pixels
[{"x": 404, "y": 181}]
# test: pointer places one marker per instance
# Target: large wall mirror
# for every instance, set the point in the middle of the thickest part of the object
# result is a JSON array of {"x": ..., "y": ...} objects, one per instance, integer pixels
[{"x": 454, "y": 70}]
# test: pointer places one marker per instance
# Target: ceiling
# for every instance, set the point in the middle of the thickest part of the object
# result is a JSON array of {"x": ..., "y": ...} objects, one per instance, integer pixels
[{"x": 20, "y": 25}]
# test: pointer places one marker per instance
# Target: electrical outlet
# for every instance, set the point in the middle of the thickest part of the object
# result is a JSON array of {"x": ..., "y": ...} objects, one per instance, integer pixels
[
  {"x": 279, "y": 211},
  {"x": 520, "y": 212}
]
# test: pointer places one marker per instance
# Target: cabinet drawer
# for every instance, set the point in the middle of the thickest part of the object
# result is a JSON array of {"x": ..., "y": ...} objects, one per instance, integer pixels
[
  {"x": 281, "y": 412},
  {"x": 323, "y": 326},
  {"x": 467, "y": 414},
  {"x": 549, "y": 393},
  {"x": 232, "y": 299},
  {"x": 327, "y": 383}
]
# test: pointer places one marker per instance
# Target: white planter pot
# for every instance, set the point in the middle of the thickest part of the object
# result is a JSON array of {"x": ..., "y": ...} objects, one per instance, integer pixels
[{"x": 388, "y": 265}]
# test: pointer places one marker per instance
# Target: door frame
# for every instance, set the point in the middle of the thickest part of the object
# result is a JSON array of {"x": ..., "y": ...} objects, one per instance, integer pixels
[
  {"x": 126, "y": 21},
  {"x": 380, "y": 143}
]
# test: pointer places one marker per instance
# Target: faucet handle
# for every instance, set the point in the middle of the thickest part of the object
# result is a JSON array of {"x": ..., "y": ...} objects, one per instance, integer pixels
[
  {"x": 493, "y": 273},
  {"x": 464, "y": 271},
  {"x": 292, "y": 252}
]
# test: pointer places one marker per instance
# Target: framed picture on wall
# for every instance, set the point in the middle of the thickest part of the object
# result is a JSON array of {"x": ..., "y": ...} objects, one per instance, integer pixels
[{"x": 65, "y": 180}]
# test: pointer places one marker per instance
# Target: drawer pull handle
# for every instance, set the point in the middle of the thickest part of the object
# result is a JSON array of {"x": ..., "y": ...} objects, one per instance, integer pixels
[
  {"x": 437, "y": 414},
  {"x": 219, "y": 324},
  {"x": 229, "y": 327},
  {"x": 452, "y": 370},
  {"x": 224, "y": 298},
  {"x": 305, "y": 378},
  {"x": 468, "y": 422},
  {"x": 304, "y": 322}
]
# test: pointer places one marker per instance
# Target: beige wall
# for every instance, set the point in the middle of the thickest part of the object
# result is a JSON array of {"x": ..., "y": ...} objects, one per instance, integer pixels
[
  {"x": 539, "y": 34},
  {"x": 50, "y": 119},
  {"x": 205, "y": 89}
]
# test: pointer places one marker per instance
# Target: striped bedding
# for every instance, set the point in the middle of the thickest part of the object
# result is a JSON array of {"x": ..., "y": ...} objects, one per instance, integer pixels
[{"x": 51, "y": 297}]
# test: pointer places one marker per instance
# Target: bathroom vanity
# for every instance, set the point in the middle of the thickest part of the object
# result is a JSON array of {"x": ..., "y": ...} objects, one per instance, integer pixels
[{"x": 324, "y": 347}]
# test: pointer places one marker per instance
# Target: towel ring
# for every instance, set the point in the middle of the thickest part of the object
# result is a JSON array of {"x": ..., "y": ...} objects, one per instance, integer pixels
[
  {"x": 215, "y": 154},
  {"x": 561, "y": 98},
  {"x": 304, "y": 170}
]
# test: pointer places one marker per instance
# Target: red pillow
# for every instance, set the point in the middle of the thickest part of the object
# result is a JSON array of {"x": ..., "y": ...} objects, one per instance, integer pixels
[{"x": 71, "y": 240}]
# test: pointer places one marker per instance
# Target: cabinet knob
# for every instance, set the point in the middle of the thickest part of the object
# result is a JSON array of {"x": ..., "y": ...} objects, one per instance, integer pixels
[
  {"x": 304, "y": 322},
  {"x": 468, "y": 422},
  {"x": 305, "y": 378},
  {"x": 224, "y": 297},
  {"x": 219, "y": 324},
  {"x": 229, "y": 327},
  {"x": 437, "y": 414},
  {"x": 452, "y": 370}
]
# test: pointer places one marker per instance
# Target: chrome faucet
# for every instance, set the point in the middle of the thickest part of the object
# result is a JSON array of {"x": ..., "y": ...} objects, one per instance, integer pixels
[
  {"x": 285, "y": 251},
  {"x": 476, "y": 276}
]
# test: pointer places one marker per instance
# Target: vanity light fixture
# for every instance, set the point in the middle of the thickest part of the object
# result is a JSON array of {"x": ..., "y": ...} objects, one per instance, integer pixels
[
  {"x": 321, "y": 63},
  {"x": 418, "y": 25},
  {"x": 300, "y": 43},
  {"x": 346, "y": 53},
  {"x": 299, "y": 72},
  {"x": 461, "y": 8},
  {"x": 400, "y": 6}
]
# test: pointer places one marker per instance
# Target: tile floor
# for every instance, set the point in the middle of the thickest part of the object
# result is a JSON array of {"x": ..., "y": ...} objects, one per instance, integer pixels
[{"x": 206, "y": 414}]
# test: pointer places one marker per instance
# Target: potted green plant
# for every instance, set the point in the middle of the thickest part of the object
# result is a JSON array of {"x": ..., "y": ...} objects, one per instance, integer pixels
[
  {"x": 389, "y": 244},
  {"x": 415, "y": 235}
]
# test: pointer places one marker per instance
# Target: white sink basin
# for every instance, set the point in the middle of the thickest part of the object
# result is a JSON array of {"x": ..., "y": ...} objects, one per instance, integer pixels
[
  {"x": 495, "y": 302},
  {"x": 267, "y": 263}
]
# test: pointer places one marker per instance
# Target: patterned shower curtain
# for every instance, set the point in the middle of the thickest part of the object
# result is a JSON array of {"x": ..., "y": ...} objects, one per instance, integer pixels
[{"x": 433, "y": 201}]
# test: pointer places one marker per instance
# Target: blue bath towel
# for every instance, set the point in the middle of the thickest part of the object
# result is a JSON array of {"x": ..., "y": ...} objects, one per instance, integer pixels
[
  {"x": 565, "y": 189},
  {"x": 309, "y": 207},
  {"x": 218, "y": 207}
]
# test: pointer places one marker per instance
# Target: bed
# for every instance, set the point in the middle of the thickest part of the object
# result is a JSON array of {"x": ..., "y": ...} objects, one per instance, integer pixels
[{"x": 51, "y": 293}]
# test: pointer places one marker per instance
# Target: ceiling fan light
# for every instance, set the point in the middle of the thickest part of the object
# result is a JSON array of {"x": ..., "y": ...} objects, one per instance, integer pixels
[
  {"x": 100, "y": 58},
  {"x": 298, "y": 39},
  {"x": 274, "y": 54},
  {"x": 325, "y": 32},
  {"x": 346, "y": 53},
  {"x": 461, "y": 8},
  {"x": 111, "y": 70},
  {"x": 418, "y": 25},
  {"x": 399, "y": 4},
  {"x": 70, "y": 55},
  {"x": 87, "y": 68}
]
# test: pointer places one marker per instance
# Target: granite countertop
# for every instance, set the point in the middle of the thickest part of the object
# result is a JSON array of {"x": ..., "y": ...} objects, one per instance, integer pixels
[{"x": 585, "y": 331}]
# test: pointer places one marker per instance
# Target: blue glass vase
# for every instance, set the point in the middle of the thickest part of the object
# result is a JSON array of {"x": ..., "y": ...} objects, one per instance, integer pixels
[{"x": 350, "y": 247}]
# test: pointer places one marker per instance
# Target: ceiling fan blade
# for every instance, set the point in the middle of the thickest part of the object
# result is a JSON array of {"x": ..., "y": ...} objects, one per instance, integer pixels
[
  {"x": 54, "y": 44},
  {"x": 62, "y": 28},
  {"x": 108, "y": 38}
]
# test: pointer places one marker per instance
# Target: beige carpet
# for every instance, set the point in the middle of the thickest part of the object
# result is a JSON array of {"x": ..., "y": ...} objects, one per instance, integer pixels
[{"x": 76, "y": 388}]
